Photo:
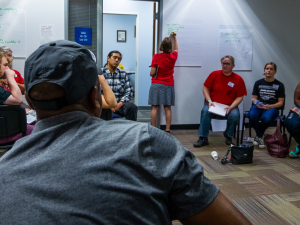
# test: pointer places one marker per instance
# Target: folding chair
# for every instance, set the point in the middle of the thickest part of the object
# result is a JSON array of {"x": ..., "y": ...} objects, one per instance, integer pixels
[
  {"x": 274, "y": 122},
  {"x": 12, "y": 122}
]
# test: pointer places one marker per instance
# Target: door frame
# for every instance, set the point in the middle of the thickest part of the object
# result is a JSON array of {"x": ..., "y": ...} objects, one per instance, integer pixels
[
  {"x": 137, "y": 24},
  {"x": 100, "y": 35}
]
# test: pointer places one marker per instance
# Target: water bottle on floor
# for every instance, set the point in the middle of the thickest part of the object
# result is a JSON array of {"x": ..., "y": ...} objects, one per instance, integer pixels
[{"x": 248, "y": 139}]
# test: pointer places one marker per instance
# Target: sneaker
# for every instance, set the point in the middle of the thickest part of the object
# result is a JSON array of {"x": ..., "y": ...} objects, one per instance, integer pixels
[
  {"x": 261, "y": 143},
  {"x": 201, "y": 143},
  {"x": 228, "y": 140},
  {"x": 256, "y": 139}
]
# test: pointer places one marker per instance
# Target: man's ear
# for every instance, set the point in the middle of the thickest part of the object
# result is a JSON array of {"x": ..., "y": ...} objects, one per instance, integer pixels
[
  {"x": 29, "y": 101},
  {"x": 95, "y": 98}
]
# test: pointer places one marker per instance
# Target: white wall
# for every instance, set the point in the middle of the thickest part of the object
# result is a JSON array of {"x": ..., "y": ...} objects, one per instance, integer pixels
[
  {"x": 275, "y": 38},
  {"x": 112, "y": 23},
  {"x": 38, "y": 12},
  {"x": 144, "y": 40}
]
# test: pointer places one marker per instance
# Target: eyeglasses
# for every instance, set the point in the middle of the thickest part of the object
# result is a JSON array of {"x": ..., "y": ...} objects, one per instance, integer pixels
[
  {"x": 226, "y": 64},
  {"x": 116, "y": 57},
  {"x": 10, "y": 56}
]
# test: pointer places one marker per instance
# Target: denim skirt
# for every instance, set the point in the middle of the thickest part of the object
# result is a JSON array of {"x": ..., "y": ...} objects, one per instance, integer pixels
[{"x": 160, "y": 94}]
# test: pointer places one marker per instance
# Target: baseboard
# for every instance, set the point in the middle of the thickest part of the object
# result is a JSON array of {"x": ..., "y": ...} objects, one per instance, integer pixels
[
  {"x": 144, "y": 107},
  {"x": 187, "y": 126},
  {"x": 182, "y": 127}
]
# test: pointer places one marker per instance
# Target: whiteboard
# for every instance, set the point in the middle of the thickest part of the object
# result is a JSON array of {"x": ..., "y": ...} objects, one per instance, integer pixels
[
  {"x": 189, "y": 41},
  {"x": 12, "y": 29}
]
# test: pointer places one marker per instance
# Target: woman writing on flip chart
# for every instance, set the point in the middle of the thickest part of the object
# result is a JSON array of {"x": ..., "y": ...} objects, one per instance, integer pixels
[{"x": 162, "y": 86}]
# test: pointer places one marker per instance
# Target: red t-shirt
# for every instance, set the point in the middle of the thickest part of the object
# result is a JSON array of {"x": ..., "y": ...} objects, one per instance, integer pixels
[
  {"x": 19, "y": 79},
  {"x": 225, "y": 89},
  {"x": 166, "y": 64}
]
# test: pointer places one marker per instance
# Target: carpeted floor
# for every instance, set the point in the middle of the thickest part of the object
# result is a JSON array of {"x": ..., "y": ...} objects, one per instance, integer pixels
[{"x": 266, "y": 191}]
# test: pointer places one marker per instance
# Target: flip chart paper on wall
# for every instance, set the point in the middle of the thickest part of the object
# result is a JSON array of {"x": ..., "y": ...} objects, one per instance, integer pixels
[
  {"x": 236, "y": 41},
  {"x": 12, "y": 29},
  {"x": 47, "y": 33},
  {"x": 189, "y": 41}
]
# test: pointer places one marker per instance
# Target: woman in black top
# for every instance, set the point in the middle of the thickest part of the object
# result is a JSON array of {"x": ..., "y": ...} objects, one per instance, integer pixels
[{"x": 268, "y": 96}]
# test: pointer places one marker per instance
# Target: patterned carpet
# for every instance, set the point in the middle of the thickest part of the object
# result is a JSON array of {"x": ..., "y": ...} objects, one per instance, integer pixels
[{"x": 266, "y": 191}]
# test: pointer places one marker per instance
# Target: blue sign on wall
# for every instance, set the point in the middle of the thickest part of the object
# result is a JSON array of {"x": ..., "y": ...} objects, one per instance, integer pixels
[{"x": 83, "y": 35}]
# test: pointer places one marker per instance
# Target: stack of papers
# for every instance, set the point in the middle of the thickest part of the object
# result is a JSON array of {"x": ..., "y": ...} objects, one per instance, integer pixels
[
  {"x": 31, "y": 117},
  {"x": 219, "y": 109}
]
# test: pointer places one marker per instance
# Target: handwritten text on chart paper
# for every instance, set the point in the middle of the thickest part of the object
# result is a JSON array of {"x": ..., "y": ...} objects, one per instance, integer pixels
[
  {"x": 233, "y": 41},
  {"x": 2, "y": 41},
  {"x": 229, "y": 34},
  {"x": 174, "y": 27},
  {"x": 12, "y": 29},
  {"x": 9, "y": 9}
]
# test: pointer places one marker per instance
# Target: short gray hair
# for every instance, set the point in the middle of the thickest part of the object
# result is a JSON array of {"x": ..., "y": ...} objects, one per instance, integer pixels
[
  {"x": 5, "y": 49},
  {"x": 228, "y": 57}
]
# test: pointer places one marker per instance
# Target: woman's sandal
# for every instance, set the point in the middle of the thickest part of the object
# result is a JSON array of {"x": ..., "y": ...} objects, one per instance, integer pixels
[
  {"x": 167, "y": 131},
  {"x": 295, "y": 154}
]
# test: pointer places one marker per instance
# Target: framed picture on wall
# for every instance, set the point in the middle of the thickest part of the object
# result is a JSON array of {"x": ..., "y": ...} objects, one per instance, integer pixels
[{"x": 121, "y": 35}]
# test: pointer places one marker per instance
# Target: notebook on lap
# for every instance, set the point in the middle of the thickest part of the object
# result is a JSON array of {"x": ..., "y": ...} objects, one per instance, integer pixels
[{"x": 219, "y": 109}]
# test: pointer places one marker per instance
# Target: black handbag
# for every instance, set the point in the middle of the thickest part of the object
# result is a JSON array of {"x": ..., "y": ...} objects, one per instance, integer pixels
[{"x": 242, "y": 154}]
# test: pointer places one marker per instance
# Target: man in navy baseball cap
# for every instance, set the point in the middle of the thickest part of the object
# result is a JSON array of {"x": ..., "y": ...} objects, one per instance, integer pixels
[{"x": 64, "y": 63}]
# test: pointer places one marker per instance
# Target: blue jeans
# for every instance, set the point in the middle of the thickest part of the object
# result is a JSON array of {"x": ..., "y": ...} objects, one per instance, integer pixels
[
  {"x": 264, "y": 116},
  {"x": 205, "y": 120},
  {"x": 292, "y": 124}
]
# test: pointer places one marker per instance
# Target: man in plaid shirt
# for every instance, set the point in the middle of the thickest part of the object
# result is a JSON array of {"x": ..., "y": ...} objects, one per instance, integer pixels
[{"x": 119, "y": 82}]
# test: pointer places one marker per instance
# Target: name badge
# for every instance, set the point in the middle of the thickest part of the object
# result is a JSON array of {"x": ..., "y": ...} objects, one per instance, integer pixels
[{"x": 230, "y": 84}]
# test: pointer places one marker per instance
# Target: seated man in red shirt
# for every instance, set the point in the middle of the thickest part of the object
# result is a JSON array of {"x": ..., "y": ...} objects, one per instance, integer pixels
[{"x": 225, "y": 87}]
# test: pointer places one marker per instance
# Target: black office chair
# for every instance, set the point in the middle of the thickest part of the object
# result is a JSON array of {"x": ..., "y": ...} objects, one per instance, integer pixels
[
  {"x": 274, "y": 122},
  {"x": 12, "y": 122}
]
